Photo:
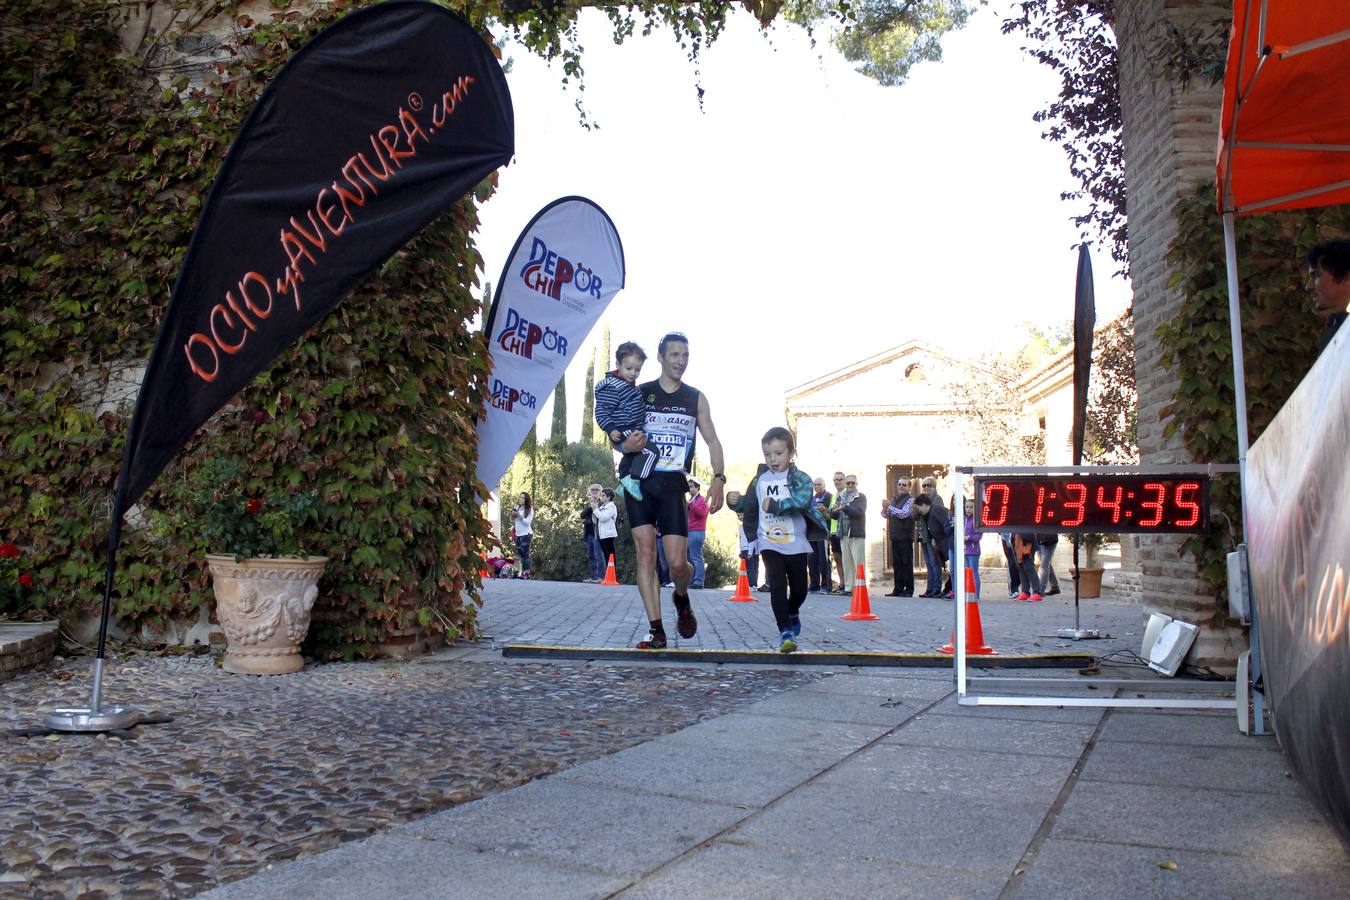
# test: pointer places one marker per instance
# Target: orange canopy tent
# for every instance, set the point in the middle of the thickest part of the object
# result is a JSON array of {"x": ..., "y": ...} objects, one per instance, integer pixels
[
  {"x": 1284, "y": 143},
  {"x": 1285, "y": 136},
  {"x": 1285, "y": 139}
]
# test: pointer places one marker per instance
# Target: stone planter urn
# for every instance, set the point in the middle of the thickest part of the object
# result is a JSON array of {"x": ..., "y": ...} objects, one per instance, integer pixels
[
  {"x": 263, "y": 603},
  {"x": 1089, "y": 581}
]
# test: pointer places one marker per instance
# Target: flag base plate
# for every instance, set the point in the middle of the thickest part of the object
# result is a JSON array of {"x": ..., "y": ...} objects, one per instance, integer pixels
[
  {"x": 1080, "y": 634},
  {"x": 83, "y": 719}
]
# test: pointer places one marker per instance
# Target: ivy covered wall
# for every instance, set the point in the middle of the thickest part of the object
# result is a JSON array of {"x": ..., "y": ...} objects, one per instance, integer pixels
[{"x": 109, "y": 149}]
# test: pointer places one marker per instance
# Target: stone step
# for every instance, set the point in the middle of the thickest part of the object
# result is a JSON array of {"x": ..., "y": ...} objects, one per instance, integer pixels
[{"x": 24, "y": 645}]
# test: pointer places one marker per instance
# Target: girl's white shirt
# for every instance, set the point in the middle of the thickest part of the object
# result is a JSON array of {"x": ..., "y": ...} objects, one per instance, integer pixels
[{"x": 524, "y": 521}]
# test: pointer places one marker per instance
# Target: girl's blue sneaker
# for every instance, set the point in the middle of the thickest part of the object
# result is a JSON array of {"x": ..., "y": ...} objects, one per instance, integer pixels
[
  {"x": 788, "y": 645},
  {"x": 796, "y": 626}
]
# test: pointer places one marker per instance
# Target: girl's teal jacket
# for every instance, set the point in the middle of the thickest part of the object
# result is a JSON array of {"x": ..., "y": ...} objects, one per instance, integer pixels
[{"x": 798, "y": 500}]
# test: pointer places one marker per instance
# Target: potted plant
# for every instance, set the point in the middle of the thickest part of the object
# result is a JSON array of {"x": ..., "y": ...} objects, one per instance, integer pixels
[
  {"x": 1089, "y": 574},
  {"x": 264, "y": 582}
]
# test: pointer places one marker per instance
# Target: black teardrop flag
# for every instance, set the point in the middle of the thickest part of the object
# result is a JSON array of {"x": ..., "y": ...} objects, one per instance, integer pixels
[
  {"x": 1084, "y": 328},
  {"x": 371, "y": 131}
]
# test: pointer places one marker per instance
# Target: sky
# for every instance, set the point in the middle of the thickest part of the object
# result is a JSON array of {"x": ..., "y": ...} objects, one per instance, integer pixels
[{"x": 805, "y": 217}]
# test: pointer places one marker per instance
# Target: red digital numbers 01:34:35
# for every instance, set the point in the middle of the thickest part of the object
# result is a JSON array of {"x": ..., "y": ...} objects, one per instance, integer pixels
[{"x": 1131, "y": 503}]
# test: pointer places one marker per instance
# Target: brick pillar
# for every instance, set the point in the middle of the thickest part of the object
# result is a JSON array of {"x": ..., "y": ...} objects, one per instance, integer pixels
[{"x": 1170, "y": 138}]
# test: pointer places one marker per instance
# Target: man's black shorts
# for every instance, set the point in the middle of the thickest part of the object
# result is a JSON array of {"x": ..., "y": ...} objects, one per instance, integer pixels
[{"x": 664, "y": 504}]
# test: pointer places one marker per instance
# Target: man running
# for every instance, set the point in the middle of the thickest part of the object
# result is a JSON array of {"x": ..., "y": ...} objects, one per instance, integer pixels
[{"x": 674, "y": 411}]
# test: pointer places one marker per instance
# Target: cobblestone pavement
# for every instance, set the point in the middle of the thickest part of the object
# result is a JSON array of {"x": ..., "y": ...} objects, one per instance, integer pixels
[
  {"x": 255, "y": 770},
  {"x": 587, "y": 615}
]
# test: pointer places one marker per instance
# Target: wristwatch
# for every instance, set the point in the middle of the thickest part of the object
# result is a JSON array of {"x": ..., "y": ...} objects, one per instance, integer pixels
[{"x": 721, "y": 476}]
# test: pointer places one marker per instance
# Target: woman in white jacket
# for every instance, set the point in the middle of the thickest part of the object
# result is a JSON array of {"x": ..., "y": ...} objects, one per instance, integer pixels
[{"x": 607, "y": 524}]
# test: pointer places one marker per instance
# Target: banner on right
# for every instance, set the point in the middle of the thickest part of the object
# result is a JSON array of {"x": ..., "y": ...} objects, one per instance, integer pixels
[{"x": 1297, "y": 503}]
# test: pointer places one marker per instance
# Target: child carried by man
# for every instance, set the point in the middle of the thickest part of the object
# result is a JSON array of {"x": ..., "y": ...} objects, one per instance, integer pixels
[{"x": 620, "y": 411}]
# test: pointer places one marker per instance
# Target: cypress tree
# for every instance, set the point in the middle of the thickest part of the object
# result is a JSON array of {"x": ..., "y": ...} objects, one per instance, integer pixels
[
  {"x": 559, "y": 434},
  {"x": 588, "y": 405}
]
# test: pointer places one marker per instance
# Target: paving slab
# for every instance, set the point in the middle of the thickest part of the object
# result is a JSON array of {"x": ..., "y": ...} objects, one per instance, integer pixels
[
  {"x": 1212, "y": 730},
  {"x": 615, "y": 831},
  {"x": 1090, "y": 870},
  {"x": 866, "y": 709},
  {"x": 746, "y": 778},
  {"x": 1080, "y": 715},
  {"x": 880, "y": 821},
  {"x": 1249, "y": 768},
  {"x": 407, "y": 866},
  {"x": 957, "y": 774},
  {"x": 1009, "y": 736},
  {"x": 752, "y": 872},
  {"x": 777, "y": 734},
  {"x": 1268, "y": 825}
]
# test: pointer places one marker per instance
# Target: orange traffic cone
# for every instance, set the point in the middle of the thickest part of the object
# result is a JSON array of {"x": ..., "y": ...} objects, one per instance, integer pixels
[
  {"x": 861, "y": 607},
  {"x": 609, "y": 572},
  {"x": 743, "y": 594},
  {"x": 483, "y": 573},
  {"x": 975, "y": 645}
]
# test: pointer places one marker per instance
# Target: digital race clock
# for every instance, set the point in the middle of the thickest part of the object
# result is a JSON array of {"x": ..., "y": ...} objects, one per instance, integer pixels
[{"x": 1069, "y": 503}]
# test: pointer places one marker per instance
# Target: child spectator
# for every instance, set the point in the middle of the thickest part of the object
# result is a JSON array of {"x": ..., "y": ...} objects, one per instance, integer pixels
[
  {"x": 777, "y": 509},
  {"x": 972, "y": 547},
  {"x": 620, "y": 411}
]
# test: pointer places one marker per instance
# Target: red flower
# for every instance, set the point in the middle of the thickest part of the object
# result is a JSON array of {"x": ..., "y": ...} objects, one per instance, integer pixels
[
  {"x": 253, "y": 506},
  {"x": 26, "y": 580},
  {"x": 9, "y": 551}
]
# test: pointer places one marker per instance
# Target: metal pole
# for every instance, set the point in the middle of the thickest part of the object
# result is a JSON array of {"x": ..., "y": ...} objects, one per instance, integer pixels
[
  {"x": 96, "y": 718},
  {"x": 959, "y": 584},
  {"x": 1240, "y": 404}
]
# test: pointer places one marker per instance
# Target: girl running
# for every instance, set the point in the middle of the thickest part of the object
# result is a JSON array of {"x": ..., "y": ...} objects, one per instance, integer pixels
[{"x": 781, "y": 523}]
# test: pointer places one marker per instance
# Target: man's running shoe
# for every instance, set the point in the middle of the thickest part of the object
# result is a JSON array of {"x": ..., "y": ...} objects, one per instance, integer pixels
[
  {"x": 1023, "y": 596},
  {"x": 1037, "y": 597},
  {"x": 653, "y": 641},
  {"x": 788, "y": 645},
  {"x": 685, "y": 623},
  {"x": 796, "y": 626}
]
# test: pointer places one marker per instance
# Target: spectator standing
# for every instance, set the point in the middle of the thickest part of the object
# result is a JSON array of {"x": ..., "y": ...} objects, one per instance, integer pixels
[
  {"x": 935, "y": 555},
  {"x": 698, "y": 529},
  {"x": 523, "y": 524},
  {"x": 1005, "y": 540},
  {"x": 972, "y": 546},
  {"x": 836, "y": 547},
  {"x": 1024, "y": 549},
  {"x": 1329, "y": 283},
  {"x": 820, "y": 579},
  {"x": 900, "y": 532},
  {"x": 607, "y": 525},
  {"x": 748, "y": 553},
  {"x": 1046, "y": 542},
  {"x": 595, "y": 563},
  {"x": 850, "y": 508}
]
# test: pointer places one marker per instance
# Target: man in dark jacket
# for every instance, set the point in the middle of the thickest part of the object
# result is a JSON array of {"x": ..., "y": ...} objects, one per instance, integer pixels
[
  {"x": 1046, "y": 542},
  {"x": 900, "y": 532},
  {"x": 935, "y": 550},
  {"x": 819, "y": 568},
  {"x": 849, "y": 510}
]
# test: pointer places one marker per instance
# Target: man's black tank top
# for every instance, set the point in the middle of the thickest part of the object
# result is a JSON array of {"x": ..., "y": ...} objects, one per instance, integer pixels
[{"x": 672, "y": 420}]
